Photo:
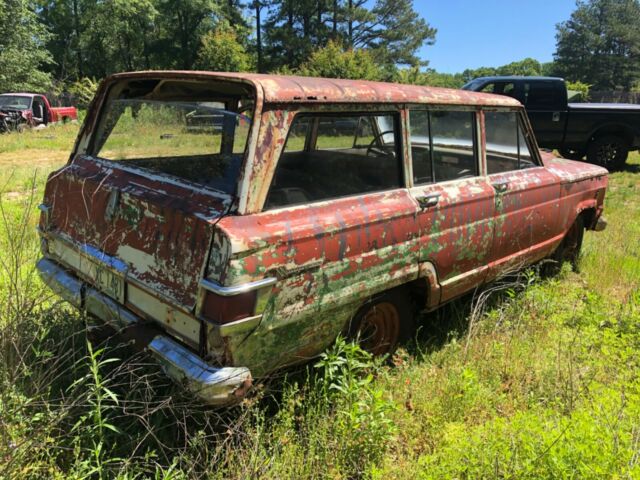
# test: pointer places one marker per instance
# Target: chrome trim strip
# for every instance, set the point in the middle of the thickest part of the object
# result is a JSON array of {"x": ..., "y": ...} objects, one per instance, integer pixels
[
  {"x": 234, "y": 328},
  {"x": 215, "y": 386},
  {"x": 218, "y": 289},
  {"x": 112, "y": 263},
  {"x": 62, "y": 283},
  {"x": 46, "y": 212}
]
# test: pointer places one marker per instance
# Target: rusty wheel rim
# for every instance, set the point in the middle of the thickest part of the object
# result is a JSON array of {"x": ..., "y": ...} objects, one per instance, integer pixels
[{"x": 380, "y": 328}]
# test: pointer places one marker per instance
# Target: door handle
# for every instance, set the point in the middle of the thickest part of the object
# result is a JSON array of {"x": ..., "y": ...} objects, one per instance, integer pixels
[
  {"x": 500, "y": 187},
  {"x": 555, "y": 117},
  {"x": 428, "y": 201}
]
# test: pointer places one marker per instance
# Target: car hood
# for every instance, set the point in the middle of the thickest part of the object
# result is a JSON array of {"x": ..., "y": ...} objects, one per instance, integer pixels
[{"x": 571, "y": 170}]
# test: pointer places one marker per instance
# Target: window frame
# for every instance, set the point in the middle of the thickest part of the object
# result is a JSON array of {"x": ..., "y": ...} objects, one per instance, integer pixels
[
  {"x": 476, "y": 139},
  {"x": 524, "y": 126},
  {"x": 311, "y": 140}
]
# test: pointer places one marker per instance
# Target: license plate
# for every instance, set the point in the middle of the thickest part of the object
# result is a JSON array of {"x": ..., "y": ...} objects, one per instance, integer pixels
[{"x": 108, "y": 282}]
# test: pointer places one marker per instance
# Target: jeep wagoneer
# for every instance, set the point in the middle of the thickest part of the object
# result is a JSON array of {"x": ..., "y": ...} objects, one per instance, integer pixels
[{"x": 299, "y": 209}]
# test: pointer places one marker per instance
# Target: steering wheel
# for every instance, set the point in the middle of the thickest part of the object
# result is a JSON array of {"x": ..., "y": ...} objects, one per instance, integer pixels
[{"x": 381, "y": 150}]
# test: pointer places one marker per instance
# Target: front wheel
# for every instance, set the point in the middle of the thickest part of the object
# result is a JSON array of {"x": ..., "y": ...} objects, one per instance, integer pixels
[
  {"x": 383, "y": 322},
  {"x": 609, "y": 151},
  {"x": 569, "y": 248}
]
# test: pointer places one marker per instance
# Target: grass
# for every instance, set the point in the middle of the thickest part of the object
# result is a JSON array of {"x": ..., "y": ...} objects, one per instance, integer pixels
[{"x": 537, "y": 378}]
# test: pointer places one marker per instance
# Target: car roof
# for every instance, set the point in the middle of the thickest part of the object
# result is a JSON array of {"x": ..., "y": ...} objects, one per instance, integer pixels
[
  {"x": 297, "y": 89},
  {"x": 20, "y": 94},
  {"x": 514, "y": 78}
]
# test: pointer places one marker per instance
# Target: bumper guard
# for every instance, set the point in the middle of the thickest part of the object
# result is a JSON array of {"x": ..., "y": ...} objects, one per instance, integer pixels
[{"x": 214, "y": 386}]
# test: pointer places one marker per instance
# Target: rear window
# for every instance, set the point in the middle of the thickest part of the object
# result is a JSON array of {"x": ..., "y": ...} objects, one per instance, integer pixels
[{"x": 197, "y": 139}]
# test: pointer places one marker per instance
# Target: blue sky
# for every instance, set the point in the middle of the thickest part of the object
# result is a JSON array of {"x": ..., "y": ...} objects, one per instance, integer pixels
[{"x": 490, "y": 33}]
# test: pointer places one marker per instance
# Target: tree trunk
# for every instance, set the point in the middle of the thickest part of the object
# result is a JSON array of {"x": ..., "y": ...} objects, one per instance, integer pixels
[
  {"x": 76, "y": 26},
  {"x": 258, "y": 7}
]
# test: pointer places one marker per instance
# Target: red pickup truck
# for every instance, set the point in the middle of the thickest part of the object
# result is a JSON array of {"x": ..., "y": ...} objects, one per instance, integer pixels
[{"x": 31, "y": 109}]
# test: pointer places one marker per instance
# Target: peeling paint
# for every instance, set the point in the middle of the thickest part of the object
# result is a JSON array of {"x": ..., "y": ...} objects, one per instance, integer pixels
[{"x": 328, "y": 257}]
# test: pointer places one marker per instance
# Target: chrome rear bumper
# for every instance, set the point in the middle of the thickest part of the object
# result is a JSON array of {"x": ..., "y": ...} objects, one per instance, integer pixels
[{"x": 214, "y": 386}]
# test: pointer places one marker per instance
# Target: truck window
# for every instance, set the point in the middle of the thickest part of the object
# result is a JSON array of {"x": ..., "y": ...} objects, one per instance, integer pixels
[
  {"x": 542, "y": 95},
  {"x": 344, "y": 155},
  {"x": 500, "y": 88},
  {"x": 442, "y": 145},
  {"x": 507, "y": 149}
]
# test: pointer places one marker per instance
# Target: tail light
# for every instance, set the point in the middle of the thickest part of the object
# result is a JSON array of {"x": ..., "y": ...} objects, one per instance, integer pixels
[{"x": 228, "y": 304}]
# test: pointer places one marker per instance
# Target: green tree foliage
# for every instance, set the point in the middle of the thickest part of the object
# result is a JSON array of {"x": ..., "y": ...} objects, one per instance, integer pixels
[
  {"x": 334, "y": 62},
  {"x": 22, "y": 49},
  {"x": 526, "y": 67},
  {"x": 582, "y": 90},
  {"x": 221, "y": 51},
  {"x": 432, "y": 78},
  {"x": 95, "y": 38},
  {"x": 391, "y": 29},
  {"x": 600, "y": 44}
]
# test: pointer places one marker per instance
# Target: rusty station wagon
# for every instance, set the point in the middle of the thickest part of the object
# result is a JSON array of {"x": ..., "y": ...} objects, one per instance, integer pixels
[{"x": 306, "y": 208}]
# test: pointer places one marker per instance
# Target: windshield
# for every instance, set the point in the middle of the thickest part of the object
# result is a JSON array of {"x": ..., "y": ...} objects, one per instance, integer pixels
[
  {"x": 15, "y": 101},
  {"x": 199, "y": 141},
  {"x": 472, "y": 85}
]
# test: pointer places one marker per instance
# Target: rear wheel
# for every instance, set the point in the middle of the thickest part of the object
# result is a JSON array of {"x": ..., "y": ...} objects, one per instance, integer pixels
[
  {"x": 383, "y": 322},
  {"x": 609, "y": 151}
]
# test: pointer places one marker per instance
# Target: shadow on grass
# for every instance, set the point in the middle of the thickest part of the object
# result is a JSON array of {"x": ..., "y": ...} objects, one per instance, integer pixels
[{"x": 630, "y": 168}]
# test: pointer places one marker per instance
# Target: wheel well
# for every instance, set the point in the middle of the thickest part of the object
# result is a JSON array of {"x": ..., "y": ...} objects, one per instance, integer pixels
[
  {"x": 589, "y": 217},
  {"x": 616, "y": 130},
  {"x": 418, "y": 293}
]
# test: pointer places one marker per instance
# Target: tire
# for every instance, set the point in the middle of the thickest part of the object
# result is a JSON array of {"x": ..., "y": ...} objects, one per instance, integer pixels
[
  {"x": 569, "y": 248},
  {"x": 572, "y": 154},
  {"x": 609, "y": 151},
  {"x": 383, "y": 322}
]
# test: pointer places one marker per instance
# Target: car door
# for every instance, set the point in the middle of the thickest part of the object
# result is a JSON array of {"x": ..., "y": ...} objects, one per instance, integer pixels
[
  {"x": 526, "y": 195},
  {"x": 338, "y": 227},
  {"x": 455, "y": 203},
  {"x": 546, "y": 104}
]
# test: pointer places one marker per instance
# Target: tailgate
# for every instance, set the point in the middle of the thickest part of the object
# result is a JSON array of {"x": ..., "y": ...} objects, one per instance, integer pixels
[{"x": 156, "y": 231}]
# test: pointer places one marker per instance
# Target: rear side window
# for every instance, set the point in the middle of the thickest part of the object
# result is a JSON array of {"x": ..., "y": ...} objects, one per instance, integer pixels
[
  {"x": 329, "y": 156},
  {"x": 507, "y": 148},
  {"x": 543, "y": 95},
  {"x": 443, "y": 145}
]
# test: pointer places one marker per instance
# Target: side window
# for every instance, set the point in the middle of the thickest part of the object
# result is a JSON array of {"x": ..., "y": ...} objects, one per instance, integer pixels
[
  {"x": 420, "y": 147},
  {"x": 442, "y": 145},
  {"x": 298, "y": 135},
  {"x": 453, "y": 143},
  {"x": 500, "y": 88},
  {"x": 542, "y": 95},
  {"x": 333, "y": 156},
  {"x": 488, "y": 88},
  {"x": 507, "y": 149}
]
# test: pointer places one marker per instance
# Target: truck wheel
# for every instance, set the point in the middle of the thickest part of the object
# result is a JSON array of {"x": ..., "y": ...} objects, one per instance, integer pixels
[
  {"x": 383, "y": 322},
  {"x": 609, "y": 151},
  {"x": 572, "y": 154}
]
